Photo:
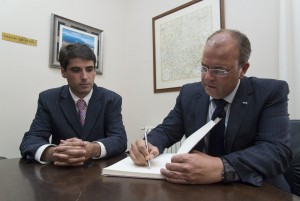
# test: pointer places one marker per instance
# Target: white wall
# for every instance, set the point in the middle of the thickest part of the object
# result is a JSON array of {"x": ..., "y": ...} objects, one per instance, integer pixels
[
  {"x": 259, "y": 21},
  {"x": 128, "y": 62}
]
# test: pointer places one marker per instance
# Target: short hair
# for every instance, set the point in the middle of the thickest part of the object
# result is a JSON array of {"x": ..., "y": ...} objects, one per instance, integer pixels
[
  {"x": 75, "y": 50},
  {"x": 244, "y": 44}
]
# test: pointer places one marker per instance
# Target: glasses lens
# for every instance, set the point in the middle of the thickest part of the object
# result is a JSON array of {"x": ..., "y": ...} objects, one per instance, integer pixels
[
  {"x": 204, "y": 69},
  {"x": 214, "y": 72},
  {"x": 219, "y": 72}
]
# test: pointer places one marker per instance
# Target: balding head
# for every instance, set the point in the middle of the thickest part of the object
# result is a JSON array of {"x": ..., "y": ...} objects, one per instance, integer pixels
[{"x": 223, "y": 37}]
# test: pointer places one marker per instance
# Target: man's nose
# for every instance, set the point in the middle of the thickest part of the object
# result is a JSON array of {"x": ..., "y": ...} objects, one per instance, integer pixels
[{"x": 83, "y": 75}]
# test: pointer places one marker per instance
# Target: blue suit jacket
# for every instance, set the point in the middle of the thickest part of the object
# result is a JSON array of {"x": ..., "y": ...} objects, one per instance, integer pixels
[
  {"x": 56, "y": 116},
  {"x": 257, "y": 135}
]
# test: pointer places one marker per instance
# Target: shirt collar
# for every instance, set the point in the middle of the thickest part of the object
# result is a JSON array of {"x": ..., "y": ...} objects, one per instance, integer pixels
[{"x": 86, "y": 98}]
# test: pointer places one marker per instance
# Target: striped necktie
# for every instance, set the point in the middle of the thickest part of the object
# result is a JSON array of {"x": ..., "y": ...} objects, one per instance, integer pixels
[{"x": 82, "y": 110}]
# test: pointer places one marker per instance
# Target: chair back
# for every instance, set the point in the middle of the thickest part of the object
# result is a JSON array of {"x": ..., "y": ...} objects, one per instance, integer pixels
[{"x": 292, "y": 175}]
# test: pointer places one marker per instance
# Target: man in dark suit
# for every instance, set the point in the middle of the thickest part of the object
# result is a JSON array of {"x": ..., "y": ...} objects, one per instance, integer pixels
[
  {"x": 84, "y": 120},
  {"x": 254, "y": 144}
]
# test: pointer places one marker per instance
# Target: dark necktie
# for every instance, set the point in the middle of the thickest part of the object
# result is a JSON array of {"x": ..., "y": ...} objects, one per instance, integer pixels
[
  {"x": 82, "y": 110},
  {"x": 216, "y": 137}
]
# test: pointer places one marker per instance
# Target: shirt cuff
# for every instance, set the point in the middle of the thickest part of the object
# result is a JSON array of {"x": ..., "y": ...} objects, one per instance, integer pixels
[
  {"x": 40, "y": 151},
  {"x": 102, "y": 150}
]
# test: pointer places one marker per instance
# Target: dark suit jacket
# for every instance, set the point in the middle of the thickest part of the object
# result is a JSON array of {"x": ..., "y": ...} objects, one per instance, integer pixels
[
  {"x": 56, "y": 116},
  {"x": 257, "y": 135}
]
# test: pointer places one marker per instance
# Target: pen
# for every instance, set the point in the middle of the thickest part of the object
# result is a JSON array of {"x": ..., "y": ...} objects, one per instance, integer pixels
[{"x": 146, "y": 143}]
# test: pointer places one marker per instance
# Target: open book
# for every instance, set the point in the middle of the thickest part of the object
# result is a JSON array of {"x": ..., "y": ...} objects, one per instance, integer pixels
[{"x": 126, "y": 167}]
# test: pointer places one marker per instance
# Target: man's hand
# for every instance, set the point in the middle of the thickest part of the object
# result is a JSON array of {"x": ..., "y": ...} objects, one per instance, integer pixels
[
  {"x": 139, "y": 153},
  {"x": 93, "y": 149},
  {"x": 71, "y": 152},
  {"x": 194, "y": 168}
]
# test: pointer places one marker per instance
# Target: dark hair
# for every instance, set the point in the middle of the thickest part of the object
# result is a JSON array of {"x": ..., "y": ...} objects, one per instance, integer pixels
[
  {"x": 75, "y": 50},
  {"x": 243, "y": 43}
]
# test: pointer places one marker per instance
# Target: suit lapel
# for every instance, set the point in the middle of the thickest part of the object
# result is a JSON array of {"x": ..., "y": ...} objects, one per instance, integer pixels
[
  {"x": 67, "y": 105},
  {"x": 238, "y": 110},
  {"x": 201, "y": 105},
  {"x": 93, "y": 111}
]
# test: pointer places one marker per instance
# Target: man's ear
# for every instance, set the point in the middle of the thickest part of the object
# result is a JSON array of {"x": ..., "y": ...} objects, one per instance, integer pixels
[
  {"x": 244, "y": 69},
  {"x": 63, "y": 72}
]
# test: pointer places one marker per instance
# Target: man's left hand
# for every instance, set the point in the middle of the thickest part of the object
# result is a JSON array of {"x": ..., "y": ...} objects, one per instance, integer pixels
[{"x": 193, "y": 168}]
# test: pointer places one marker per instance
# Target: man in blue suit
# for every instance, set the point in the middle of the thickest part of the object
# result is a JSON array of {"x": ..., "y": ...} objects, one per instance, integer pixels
[
  {"x": 256, "y": 137},
  {"x": 84, "y": 120}
]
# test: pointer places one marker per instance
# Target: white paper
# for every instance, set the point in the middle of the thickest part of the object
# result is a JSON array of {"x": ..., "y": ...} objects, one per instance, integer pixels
[{"x": 193, "y": 139}]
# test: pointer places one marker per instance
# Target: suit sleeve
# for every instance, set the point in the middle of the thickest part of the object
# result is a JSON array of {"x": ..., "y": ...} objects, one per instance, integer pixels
[
  {"x": 115, "y": 140},
  {"x": 39, "y": 132},
  {"x": 171, "y": 130}
]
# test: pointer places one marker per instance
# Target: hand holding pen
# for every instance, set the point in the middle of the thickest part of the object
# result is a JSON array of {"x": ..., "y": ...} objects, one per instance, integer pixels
[{"x": 142, "y": 151}]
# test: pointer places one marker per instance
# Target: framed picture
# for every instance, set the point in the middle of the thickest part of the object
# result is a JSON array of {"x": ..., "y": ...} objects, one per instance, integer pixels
[
  {"x": 179, "y": 36},
  {"x": 65, "y": 31}
]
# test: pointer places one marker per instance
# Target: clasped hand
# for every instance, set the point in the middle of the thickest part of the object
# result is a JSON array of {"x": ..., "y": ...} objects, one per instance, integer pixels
[
  {"x": 191, "y": 168},
  {"x": 72, "y": 152}
]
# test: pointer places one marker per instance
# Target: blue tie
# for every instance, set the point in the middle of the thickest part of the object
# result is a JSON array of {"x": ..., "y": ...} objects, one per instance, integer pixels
[{"x": 216, "y": 137}]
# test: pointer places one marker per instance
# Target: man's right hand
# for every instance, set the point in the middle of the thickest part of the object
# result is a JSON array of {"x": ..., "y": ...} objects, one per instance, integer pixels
[{"x": 139, "y": 153}]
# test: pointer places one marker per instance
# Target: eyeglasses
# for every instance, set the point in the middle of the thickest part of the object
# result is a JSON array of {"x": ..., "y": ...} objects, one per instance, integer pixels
[{"x": 215, "y": 72}]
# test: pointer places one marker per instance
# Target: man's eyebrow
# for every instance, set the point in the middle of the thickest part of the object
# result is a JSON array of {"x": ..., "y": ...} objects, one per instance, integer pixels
[
  {"x": 83, "y": 67},
  {"x": 214, "y": 66}
]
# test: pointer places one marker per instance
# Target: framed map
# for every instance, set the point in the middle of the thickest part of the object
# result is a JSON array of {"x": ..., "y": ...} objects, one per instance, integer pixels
[{"x": 179, "y": 36}]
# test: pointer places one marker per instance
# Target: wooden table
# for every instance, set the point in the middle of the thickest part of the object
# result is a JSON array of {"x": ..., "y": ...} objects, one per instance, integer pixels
[{"x": 20, "y": 180}]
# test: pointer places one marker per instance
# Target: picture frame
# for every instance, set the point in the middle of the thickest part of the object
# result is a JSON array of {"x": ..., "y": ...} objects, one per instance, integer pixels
[
  {"x": 65, "y": 31},
  {"x": 179, "y": 36}
]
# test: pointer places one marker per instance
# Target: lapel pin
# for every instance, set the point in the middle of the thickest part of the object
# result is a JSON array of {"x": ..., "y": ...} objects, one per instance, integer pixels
[{"x": 245, "y": 103}]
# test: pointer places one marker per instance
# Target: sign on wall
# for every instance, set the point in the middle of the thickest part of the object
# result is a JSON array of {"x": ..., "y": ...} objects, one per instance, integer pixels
[{"x": 18, "y": 39}]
